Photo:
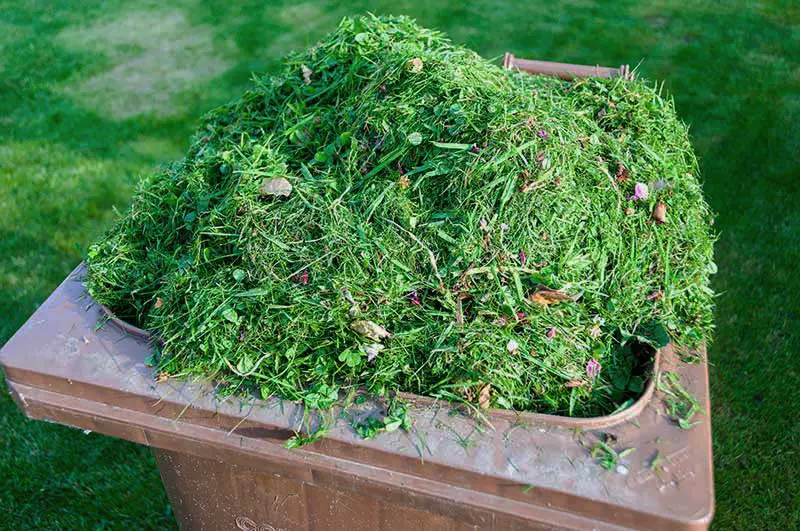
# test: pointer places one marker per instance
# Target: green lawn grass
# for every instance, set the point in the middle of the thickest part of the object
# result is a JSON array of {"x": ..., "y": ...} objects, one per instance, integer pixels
[{"x": 93, "y": 94}]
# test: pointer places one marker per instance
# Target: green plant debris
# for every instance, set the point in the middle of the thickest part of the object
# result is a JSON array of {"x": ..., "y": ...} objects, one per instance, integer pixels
[
  {"x": 394, "y": 212},
  {"x": 607, "y": 456},
  {"x": 656, "y": 464},
  {"x": 465, "y": 441},
  {"x": 681, "y": 405},
  {"x": 301, "y": 438},
  {"x": 396, "y": 417}
]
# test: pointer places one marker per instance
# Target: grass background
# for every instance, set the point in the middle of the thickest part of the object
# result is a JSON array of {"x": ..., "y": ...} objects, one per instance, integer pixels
[{"x": 93, "y": 94}]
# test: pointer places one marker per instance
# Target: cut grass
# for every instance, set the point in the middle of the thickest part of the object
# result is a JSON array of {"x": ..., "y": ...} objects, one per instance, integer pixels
[
  {"x": 433, "y": 194},
  {"x": 732, "y": 67},
  {"x": 608, "y": 457},
  {"x": 681, "y": 405}
]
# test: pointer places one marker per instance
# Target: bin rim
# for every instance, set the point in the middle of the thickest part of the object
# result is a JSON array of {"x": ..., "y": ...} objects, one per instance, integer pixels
[{"x": 414, "y": 399}]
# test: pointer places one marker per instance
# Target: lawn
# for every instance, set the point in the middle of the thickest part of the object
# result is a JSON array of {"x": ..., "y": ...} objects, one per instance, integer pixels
[{"x": 94, "y": 94}]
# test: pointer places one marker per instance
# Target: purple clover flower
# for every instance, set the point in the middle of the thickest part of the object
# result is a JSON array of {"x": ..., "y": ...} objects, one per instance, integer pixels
[
  {"x": 640, "y": 191},
  {"x": 542, "y": 133},
  {"x": 593, "y": 368},
  {"x": 414, "y": 298},
  {"x": 302, "y": 277}
]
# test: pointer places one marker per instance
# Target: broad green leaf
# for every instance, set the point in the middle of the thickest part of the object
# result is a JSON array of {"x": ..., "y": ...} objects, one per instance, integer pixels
[{"x": 230, "y": 315}]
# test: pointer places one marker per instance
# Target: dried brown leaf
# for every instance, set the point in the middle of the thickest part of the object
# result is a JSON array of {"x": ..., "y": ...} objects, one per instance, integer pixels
[
  {"x": 159, "y": 303},
  {"x": 277, "y": 186},
  {"x": 654, "y": 295},
  {"x": 546, "y": 297},
  {"x": 467, "y": 393},
  {"x": 370, "y": 330},
  {"x": 660, "y": 213},
  {"x": 574, "y": 383},
  {"x": 622, "y": 173},
  {"x": 485, "y": 397},
  {"x": 531, "y": 186}
]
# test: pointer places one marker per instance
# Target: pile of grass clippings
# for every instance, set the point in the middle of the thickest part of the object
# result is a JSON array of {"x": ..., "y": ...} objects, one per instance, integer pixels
[{"x": 395, "y": 212}]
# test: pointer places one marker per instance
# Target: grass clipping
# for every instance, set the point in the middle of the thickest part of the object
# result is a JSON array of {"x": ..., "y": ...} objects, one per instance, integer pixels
[{"x": 391, "y": 211}]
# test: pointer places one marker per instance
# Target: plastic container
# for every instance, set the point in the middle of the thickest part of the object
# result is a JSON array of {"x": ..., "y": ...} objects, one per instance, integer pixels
[{"x": 225, "y": 465}]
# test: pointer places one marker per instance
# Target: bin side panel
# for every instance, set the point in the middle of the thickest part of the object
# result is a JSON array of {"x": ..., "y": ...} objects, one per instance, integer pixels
[
  {"x": 212, "y": 495},
  {"x": 209, "y": 495}
]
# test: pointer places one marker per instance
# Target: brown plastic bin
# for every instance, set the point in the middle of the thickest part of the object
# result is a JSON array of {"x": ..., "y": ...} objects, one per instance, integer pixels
[{"x": 225, "y": 465}]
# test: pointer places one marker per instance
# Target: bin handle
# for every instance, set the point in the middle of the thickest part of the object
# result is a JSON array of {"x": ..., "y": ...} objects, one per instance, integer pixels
[{"x": 565, "y": 70}]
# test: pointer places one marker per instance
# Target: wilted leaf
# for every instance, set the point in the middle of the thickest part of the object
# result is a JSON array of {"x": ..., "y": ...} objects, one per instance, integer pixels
[
  {"x": 654, "y": 295},
  {"x": 370, "y": 330},
  {"x": 622, "y": 173},
  {"x": 372, "y": 350},
  {"x": 306, "y": 74},
  {"x": 574, "y": 383},
  {"x": 159, "y": 303},
  {"x": 532, "y": 185},
  {"x": 277, "y": 186},
  {"x": 485, "y": 397},
  {"x": 415, "y": 138},
  {"x": 546, "y": 297},
  {"x": 415, "y": 65},
  {"x": 466, "y": 391},
  {"x": 660, "y": 213}
]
